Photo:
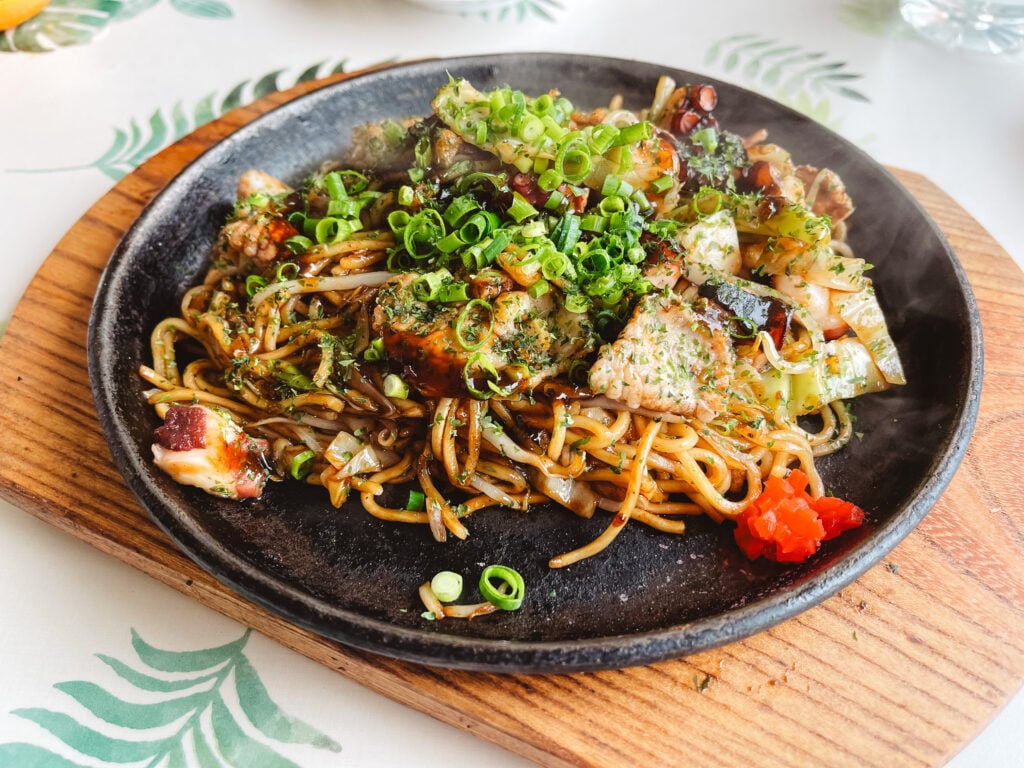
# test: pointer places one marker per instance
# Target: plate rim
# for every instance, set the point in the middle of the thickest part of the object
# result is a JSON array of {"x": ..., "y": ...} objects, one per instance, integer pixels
[{"x": 526, "y": 656}]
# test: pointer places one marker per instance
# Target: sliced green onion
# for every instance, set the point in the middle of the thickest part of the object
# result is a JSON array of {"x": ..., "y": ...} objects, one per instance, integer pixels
[
  {"x": 520, "y": 208},
  {"x": 553, "y": 128},
  {"x": 292, "y": 375},
  {"x": 497, "y": 244},
  {"x": 750, "y": 325},
  {"x": 257, "y": 200},
  {"x": 707, "y": 201},
  {"x": 395, "y": 386},
  {"x": 573, "y": 159},
  {"x": 289, "y": 270},
  {"x": 481, "y": 361},
  {"x": 450, "y": 243},
  {"x": 446, "y": 586},
  {"x": 417, "y": 501},
  {"x": 509, "y": 595},
  {"x": 301, "y": 464},
  {"x": 593, "y": 223},
  {"x": 611, "y": 205},
  {"x": 707, "y": 138},
  {"x": 394, "y": 133},
  {"x": 335, "y": 186},
  {"x": 254, "y": 284},
  {"x": 480, "y": 133},
  {"x": 459, "y": 208},
  {"x": 398, "y": 220},
  {"x": 477, "y": 227},
  {"x": 554, "y": 264},
  {"x": 613, "y": 185},
  {"x": 538, "y": 289},
  {"x": 602, "y": 137},
  {"x": 478, "y": 340},
  {"x": 452, "y": 292},
  {"x": 596, "y": 262},
  {"x": 327, "y": 230},
  {"x": 662, "y": 183},
  {"x": 566, "y": 233},
  {"x": 298, "y": 244},
  {"x": 576, "y": 303},
  {"x": 543, "y": 104},
  {"x": 357, "y": 186},
  {"x": 421, "y": 234},
  {"x": 348, "y": 208},
  {"x": 555, "y": 199},
  {"x": 427, "y": 286},
  {"x": 530, "y": 128},
  {"x": 631, "y": 134},
  {"x": 641, "y": 200},
  {"x": 375, "y": 351},
  {"x": 535, "y": 228},
  {"x": 550, "y": 180},
  {"x": 406, "y": 195}
]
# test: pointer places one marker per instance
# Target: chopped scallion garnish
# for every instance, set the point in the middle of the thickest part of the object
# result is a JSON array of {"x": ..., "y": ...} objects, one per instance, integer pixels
[
  {"x": 301, "y": 464},
  {"x": 446, "y": 586},
  {"x": 508, "y": 596}
]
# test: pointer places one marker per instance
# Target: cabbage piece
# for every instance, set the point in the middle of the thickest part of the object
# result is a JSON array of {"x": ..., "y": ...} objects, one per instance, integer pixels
[
  {"x": 863, "y": 314},
  {"x": 793, "y": 220},
  {"x": 351, "y": 456},
  {"x": 818, "y": 264},
  {"x": 845, "y": 369}
]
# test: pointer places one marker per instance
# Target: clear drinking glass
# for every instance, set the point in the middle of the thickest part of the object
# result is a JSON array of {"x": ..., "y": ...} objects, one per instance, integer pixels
[{"x": 973, "y": 25}]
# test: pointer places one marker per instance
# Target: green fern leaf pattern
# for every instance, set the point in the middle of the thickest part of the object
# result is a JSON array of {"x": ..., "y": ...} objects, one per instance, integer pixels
[
  {"x": 134, "y": 145},
  {"x": 522, "y": 9},
  {"x": 65, "y": 23},
  {"x": 770, "y": 63},
  {"x": 203, "y": 9},
  {"x": 878, "y": 18},
  {"x": 31, "y": 756},
  {"x": 183, "y": 740}
]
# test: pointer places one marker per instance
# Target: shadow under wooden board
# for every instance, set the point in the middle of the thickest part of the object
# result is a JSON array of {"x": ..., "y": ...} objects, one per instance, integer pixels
[{"x": 901, "y": 668}]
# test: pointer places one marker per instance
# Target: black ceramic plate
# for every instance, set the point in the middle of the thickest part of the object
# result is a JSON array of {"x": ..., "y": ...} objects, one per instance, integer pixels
[{"x": 650, "y": 596}]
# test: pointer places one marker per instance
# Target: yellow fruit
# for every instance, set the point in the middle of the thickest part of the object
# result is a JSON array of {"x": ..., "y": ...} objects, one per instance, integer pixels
[{"x": 13, "y": 12}]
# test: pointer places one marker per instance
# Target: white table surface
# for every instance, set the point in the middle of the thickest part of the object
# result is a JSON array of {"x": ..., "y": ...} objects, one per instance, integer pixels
[{"x": 959, "y": 120}]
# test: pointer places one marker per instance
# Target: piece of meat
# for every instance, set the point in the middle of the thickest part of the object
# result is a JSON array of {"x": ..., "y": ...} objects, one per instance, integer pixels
[
  {"x": 259, "y": 235},
  {"x": 204, "y": 447},
  {"x": 825, "y": 192},
  {"x": 671, "y": 356},
  {"x": 373, "y": 147}
]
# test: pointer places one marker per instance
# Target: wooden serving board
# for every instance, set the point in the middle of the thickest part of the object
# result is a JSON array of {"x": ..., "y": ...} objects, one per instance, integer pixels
[{"x": 901, "y": 668}]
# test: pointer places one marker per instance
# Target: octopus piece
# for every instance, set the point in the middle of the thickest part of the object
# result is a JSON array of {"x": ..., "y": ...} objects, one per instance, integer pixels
[
  {"x": 525, "y": 340},
  {"x": 672, "y": 356},
  {"x": 782, "y": 172},
  {"x": 204, "y": 447},
  {"x": 825, "y": 192},
  {"x": 685, "y": 109}
]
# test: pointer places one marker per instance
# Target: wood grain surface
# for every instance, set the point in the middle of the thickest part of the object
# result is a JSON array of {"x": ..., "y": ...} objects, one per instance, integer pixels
[{"x": 901, "y": 668}]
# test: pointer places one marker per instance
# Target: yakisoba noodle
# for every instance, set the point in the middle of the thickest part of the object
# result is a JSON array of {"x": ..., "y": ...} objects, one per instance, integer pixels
[{"x": 634, "y": 315}]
